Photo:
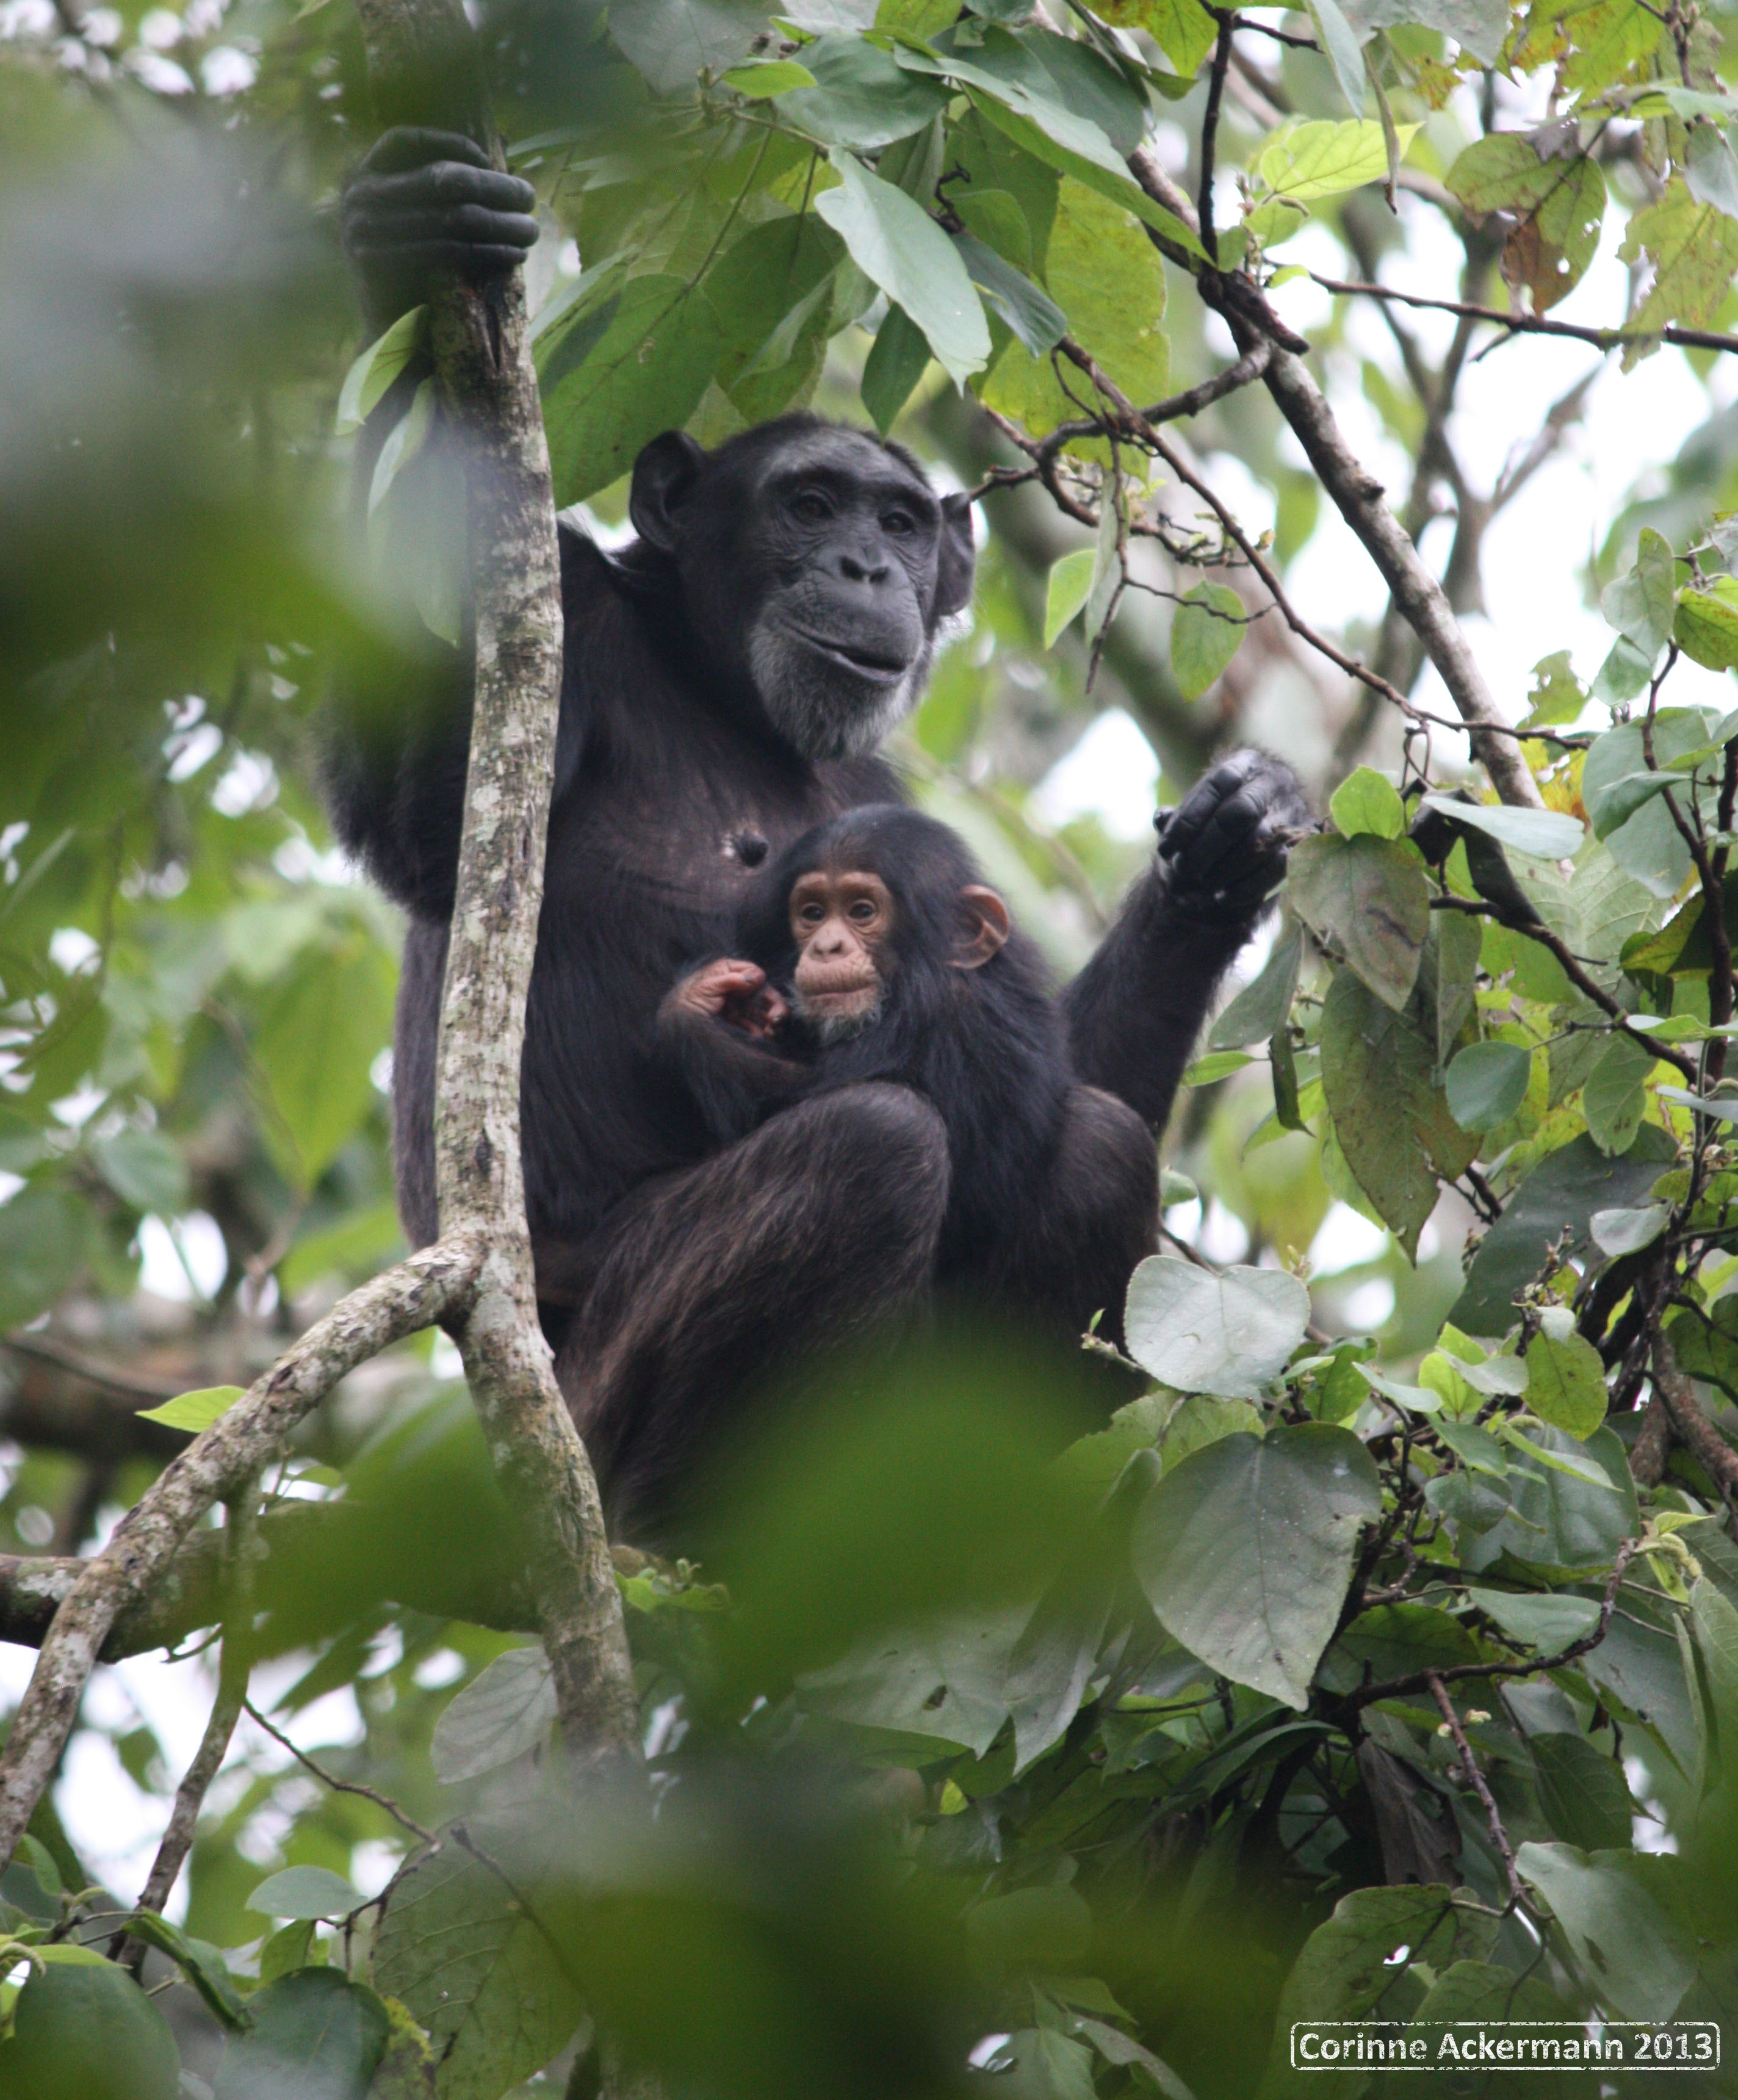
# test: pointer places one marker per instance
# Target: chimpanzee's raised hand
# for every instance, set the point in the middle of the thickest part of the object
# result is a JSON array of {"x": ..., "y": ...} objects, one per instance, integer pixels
[
  {"x": 1225, "y": 849},
  {"x": 423, "y": 201}
]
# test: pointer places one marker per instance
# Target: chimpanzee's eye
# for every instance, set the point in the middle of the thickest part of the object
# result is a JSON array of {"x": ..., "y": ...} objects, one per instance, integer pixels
[
  {"x": 862, "y": 911},
  {"x": 811, "y": 506},
  {"x": 897, "y": 522}
]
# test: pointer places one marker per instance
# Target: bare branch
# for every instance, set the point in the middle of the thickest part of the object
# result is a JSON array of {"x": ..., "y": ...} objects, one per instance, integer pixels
[
  {"x": 438, "y": 1281},
  {"x": 1358, "y": 497},
  {"x": 1476, "y": 1778},
  {"x": 1518, "y": 323}
]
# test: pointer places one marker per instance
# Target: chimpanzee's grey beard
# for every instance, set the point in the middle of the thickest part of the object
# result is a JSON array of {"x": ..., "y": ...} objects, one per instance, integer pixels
[
  {"x": 831, "y": 1028},
  {"x": 816, "y": 705}
]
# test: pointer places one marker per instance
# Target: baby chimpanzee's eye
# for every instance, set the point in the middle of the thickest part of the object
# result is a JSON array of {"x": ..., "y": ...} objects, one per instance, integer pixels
[{"x": 862, "y": 911}]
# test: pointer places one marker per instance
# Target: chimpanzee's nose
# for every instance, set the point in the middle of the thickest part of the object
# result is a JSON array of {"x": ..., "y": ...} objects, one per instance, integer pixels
[{"x": 864, "y": 569}]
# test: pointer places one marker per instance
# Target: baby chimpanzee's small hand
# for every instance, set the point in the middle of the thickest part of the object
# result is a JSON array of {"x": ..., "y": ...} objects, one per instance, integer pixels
[{"x": 735, "y": 992}]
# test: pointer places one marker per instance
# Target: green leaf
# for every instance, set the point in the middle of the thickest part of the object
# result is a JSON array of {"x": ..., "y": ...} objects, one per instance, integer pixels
[
  {"x": 460, "y": 1953},
  {"x": 1318, "y": 160},
  {"x": 1347, "y": 1964},
  {"x": 1259, "y": 1010},
  {"x": 1614, "y": 1098},
  {"x": 1581, "y": 1792},
  {"x": 1206, "y": 632},
  {"x": 313, "y": 1892},
  {"x": 1544, "y": 834},
  {"x": 1647, "y": 846},
  {"x": 1705, "y": 627},
  {"x": 769, "y": 293},
  {"x": 1367, "y": 801},
  {"x": 1038, "y": 2063},
  {"x": 1244, "y": 1551},
  {"x": 83, "y": 2030},
  {"x": 943, "y": 1685},
  {"x": 318, "y": 1035},
  {"x": 1391, "y": 1118},
  {"x": 671, "y": 42},
  {"x": 1639, "y": 603},
  {"x": 202, "y": 1964},
  {"x": 145, "y": 1168},
  {"x": 43, "y": 1240},
  {"x": 1199, "y": 1331},
  {"x": 861, "y": 98},
  {"x": 503, "y": 1713},
  {"x": 369, "y": 378},
  {"x": 1370, "y": 897},
  {"x": 1562, "y": 1192},
  {"x": 1071, "y": 580},
  {"x": 772, "y": 77},
  {"x": 897, "y": 246},
  {"x": 1476, "y": 1447},
  {"x": 1693, "y": 248},
  {"x": 1105, "y": 276},
  {"x": 1571, "y": 1505},
  {"x": 314, "y": 2034},
  {"x": 1566, "y": 1384},
  {"x": 1478, "y": 26},
  {"x": 1710, "y": 170},
  {"x": 605, "y": 397},
  {"x": 1548, "y": 1622},
  {"x": 1183, "y": 29},
  {"x": 1618, "y": 1232},
  {"x": 1073, "y": 145},
  {"x": 1459, "y": 940},
  {"x": 1487, "y": 1084},
  {"x": 1343, "y": 45},
  {"x": 1175, "y": 1188},
  {"x": 194, "y": 1411},
  {"x": 291, "y": 1946},
  {"x": 1218, "y": 1064},
  {"x": 898, "y": 359},
  {"x": 1034, "y": 317},
  {"x": 1632, "y": 1951},
  {"x": 404, "y": 441}
]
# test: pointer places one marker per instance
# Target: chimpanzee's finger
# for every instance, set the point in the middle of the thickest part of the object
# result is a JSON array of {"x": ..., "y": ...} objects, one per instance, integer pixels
[{"x": 412, "y": 145}]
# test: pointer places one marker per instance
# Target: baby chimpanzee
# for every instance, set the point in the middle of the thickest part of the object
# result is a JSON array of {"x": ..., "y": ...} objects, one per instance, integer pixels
[{"x": 872, "y": 949}]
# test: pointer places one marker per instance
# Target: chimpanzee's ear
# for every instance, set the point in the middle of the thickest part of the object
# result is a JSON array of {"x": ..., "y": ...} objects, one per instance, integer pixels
[
  {"x": 987, "y": 927},
  {"x": 956, "y": 561},
  {"x": 664, "y": 478}
]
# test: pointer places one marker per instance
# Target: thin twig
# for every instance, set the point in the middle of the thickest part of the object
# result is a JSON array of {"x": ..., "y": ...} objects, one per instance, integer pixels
[
  {"x": 1475, "y": 1780},
  {"x": 1589, "y": 987},
  {"x": 1524, "y": 323},
  {"x": 341, "y": 1785},
  {"x": 45, "y": 1350}
]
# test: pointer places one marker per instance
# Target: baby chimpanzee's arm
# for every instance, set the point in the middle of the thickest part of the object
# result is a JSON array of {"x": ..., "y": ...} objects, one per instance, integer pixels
[{"x": 716, "y": 1034}]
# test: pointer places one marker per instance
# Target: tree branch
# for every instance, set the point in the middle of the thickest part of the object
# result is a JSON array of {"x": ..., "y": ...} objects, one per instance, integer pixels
[
  {"x": 1358, "y": 497},
  {"x": 1524, "y": 323},
  {"x": 421, "y": 52},
  {"x": 438, "y": 1282}
]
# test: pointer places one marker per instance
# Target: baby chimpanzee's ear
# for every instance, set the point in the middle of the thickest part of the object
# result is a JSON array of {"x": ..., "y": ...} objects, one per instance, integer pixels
[{"x": 987, "y": 927}]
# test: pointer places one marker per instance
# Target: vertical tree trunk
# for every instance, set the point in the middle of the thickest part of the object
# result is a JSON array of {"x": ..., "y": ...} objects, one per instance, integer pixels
[{"x": 425, "y": 66}]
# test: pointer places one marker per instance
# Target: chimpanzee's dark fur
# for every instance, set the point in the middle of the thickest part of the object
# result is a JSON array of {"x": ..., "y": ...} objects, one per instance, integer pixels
[{"x": 689, "y": 750}]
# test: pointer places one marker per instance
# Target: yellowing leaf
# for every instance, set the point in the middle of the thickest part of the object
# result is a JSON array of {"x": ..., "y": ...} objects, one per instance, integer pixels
[
  {"x": 1183, "y": 29},
  {"x": 1707, "y": 624},
  {"x": 1322, "y": 159},
  {"x": 1694, "y": 251}
]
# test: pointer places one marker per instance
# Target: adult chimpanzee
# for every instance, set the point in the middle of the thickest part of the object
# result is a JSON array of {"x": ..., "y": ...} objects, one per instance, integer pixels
[
  {"x": 873, "y": 949},
  {"x": 727, "y": 678}
]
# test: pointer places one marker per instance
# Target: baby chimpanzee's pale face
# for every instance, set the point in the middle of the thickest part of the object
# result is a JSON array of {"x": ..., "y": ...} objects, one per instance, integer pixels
[{"x": 842, "y": 922}]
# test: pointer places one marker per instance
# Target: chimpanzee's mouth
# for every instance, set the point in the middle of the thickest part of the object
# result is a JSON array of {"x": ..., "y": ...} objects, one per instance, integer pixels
[{"x": 878, "y": 666}]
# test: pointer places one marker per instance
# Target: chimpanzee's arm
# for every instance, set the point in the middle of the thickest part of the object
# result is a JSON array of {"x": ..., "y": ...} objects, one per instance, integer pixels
[
  {"x": 422, "y": 204},
  {"x": 1135, "y": 1010},
  {"x": 715, "y": 1038}
]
